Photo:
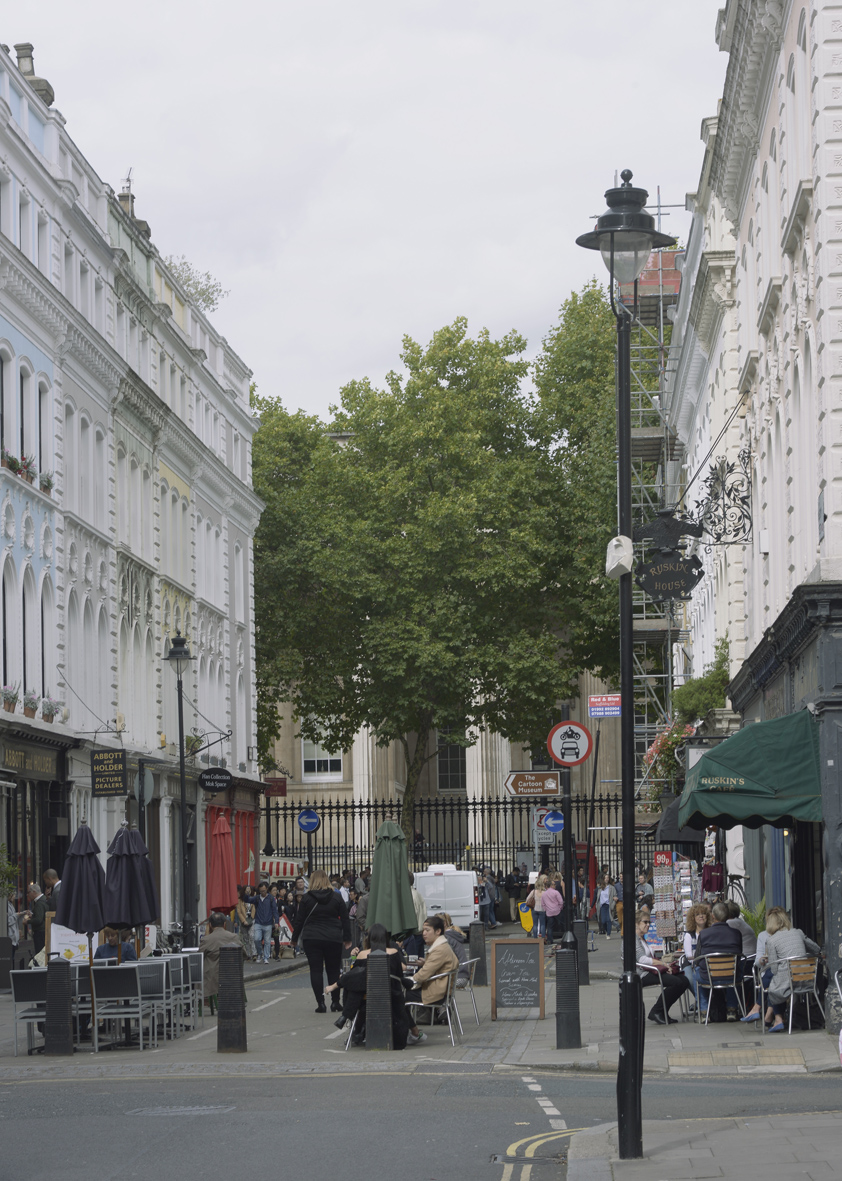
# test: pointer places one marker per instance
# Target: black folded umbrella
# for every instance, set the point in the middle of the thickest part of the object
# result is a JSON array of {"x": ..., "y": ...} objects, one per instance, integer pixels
[
  {"x": 80, "y": 900},
  {"x": 131, "y": 899}
]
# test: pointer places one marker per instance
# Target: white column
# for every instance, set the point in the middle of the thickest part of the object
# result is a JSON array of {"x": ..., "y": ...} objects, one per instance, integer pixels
[
  {"x": 201, "y": 856},
  {"x": 166, "y": 861}
]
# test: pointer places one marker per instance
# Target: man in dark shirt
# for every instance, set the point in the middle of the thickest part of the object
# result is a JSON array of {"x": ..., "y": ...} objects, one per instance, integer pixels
[
  {"x": 108, "y": 950},
  {"x": 718, "y": 939},
  {"x": 37, "y": 915},
  {"x": 265, "y": 918}
]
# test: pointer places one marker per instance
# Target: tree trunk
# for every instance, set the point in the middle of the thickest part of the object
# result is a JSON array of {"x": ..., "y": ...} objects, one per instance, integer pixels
[{"x": 413, "y": 773}]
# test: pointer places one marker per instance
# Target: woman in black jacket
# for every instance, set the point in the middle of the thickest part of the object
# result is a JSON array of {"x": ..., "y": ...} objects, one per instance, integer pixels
[{"x": 323, "y": 926}]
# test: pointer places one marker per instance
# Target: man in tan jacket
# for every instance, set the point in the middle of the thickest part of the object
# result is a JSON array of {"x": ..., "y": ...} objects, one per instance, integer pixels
[{"x": 440, "y": 958}]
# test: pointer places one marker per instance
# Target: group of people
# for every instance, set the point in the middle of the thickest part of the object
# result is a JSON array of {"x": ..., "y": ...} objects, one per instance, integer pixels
[
  {"x": 720, "y": 929},
  {"x": 32, "y": 920}
]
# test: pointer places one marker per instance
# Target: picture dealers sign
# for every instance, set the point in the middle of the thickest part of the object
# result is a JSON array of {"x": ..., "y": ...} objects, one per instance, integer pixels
[{"x": 108, "y": 773}]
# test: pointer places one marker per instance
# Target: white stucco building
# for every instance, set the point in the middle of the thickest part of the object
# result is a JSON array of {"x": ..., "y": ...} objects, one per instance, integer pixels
[{"x": 115, "y": 383}]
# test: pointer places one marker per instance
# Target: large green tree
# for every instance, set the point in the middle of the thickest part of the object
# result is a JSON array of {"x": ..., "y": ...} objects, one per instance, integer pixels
[{"x": 421, "y": 564}]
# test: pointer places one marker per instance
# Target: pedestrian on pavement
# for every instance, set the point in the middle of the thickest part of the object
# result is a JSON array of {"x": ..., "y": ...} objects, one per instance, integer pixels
[
  {"x": 216, "y": 938},
  {"x": 643, "y": 890},
  {"x": 36, "y": 915},
  {"x": 52, "y": 888},
  {"x": 363, "y": 883},
  {"x": 606, "y": 898},
  {"x": 265, "y": 918},
  {"x": 244, "y": 914},
  {"x": 618, "y": 903},
  {"x": 440, "y": 958},
  {"x": 535, "y": 899},
  {"x": 552, "y": 903},
  {"x": 12, "y": 923},
  {"x": 652, "y": 971},
  {"x": 322, "y": 925},
  {"x": 512, "y": 888}
]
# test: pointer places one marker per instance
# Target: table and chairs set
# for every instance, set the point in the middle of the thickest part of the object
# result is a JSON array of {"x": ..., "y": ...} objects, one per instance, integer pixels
[{"x": 163, "y": 992}]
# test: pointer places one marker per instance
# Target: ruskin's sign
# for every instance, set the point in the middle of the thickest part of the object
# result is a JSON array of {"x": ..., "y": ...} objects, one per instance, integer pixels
[{"x": 669, "y": 575}]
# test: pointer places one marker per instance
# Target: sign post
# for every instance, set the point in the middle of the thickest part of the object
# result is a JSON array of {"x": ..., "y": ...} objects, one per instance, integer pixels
[
  {"x": 532, "y": 783},
  {"x": 309, "y": 821}
]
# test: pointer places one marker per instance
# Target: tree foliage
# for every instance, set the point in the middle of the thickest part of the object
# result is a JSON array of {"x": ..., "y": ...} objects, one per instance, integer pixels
[
  {"x": 426, "y": 562},
  {"x": 205, "y": 290},
  {"x": 699, "y": 695}
]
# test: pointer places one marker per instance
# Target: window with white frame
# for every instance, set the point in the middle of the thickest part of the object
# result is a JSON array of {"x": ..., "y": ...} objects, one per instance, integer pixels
[
  {"x": 452, "y": 763},
  {"x": 318, "y": 762}
]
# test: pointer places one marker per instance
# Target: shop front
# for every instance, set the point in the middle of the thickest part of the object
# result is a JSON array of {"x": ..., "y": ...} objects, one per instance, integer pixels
[
  {"x": 34, "y": 801},
  {"x": 781, "y": 784},
  {"x": 239, "y": 806}
]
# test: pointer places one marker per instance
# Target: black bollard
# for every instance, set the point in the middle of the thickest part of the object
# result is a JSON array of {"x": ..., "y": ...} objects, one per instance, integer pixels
[
  {"x": 231, "y": 1024},
  {"x": 476, "y": 950},
  {"x": 58, "y": 1022},
  {"x": 378, "y": 1003},
  {"x": 580, "y": 930},
  {"x": 568, "y": 1033}
]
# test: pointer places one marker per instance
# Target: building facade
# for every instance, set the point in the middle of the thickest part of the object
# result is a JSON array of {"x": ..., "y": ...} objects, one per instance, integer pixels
[
  {"x": 133, "y": 413},
  {"x": 756, "y": 380}
]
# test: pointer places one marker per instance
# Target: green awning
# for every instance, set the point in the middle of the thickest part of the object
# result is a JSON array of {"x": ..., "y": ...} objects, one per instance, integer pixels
[{"x": 768, "y": 773}]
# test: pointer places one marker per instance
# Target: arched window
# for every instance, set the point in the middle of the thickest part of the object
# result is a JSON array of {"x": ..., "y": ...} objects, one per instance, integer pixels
[
  {"x": 239, "y": 611},
  {"x": 100, "y": 475},
  {"x": 102, "y": 694},
  {"x": 135, "y": 506},
  {"x": 146, "y": 515},
  {"x": 136, "y": 719},
  {"x": 85, "y": 474},
  {"x": 184, "y": 536},
  {"x": 124, "y": 665},
  {"x": 73, "y": 668},
  {"x": 10, "y": 624},
  {"x": 165, "y": 527},
  {"x": 30, "y": 633},
  {"x": 242, "y": 736},
  {"x": 49, "y": 680},
  {"x": 217, "y": 557},
  {"x": 89, "y": 691},
  {"x": 44, "y": 456},
  {"x": 200, "y": 548}
]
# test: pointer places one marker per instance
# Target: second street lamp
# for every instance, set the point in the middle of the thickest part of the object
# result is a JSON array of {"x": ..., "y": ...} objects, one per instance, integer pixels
[
  {"x": 626, "y": 235},
  {"x": 179, "y": 659}
]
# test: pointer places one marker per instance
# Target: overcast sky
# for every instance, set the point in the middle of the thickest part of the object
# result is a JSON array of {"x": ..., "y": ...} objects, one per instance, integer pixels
[{"x": 359, "y": 170}]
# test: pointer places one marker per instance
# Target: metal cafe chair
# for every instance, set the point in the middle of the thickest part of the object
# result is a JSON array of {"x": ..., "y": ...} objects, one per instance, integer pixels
[
  {"x": 153, "y": 989},
  {"x": 197, "y": 985},
  {"x": 838, "y": 979},
  {"x": 447, "y": 1004},
  {"x": 723, "y": 971},
  {"x": 117, "y": 997},
  {"x": 803, "y": 972},
  {"x": 469, "y": 987},
  {"x": 29, "y": 1000}
]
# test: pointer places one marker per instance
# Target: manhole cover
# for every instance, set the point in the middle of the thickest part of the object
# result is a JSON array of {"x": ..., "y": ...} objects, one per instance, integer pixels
[{"x": 180, "y": 1110}]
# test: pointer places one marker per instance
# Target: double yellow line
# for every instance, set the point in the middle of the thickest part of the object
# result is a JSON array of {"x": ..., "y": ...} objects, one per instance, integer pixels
[{"x": 530, "y": 1145}]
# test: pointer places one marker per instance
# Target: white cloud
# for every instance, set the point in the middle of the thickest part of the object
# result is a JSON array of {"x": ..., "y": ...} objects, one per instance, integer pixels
[{"x": 356, "y": 171}]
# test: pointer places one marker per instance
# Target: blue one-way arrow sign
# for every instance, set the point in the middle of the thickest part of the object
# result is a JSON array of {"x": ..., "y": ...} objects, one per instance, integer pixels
[
  {"x": 308, "y": 820},
  {"x": 554, "y": 821}
]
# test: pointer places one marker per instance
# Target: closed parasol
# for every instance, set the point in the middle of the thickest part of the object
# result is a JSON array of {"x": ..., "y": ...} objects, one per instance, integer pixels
[
  {"x": 222, "y": 880},
  {"x": 390, "y": 901},
  {"x": 131, "y": 899}
]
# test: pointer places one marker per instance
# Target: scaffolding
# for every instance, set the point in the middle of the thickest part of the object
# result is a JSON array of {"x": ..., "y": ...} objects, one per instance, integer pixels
[{"x": 657, "y": 626}]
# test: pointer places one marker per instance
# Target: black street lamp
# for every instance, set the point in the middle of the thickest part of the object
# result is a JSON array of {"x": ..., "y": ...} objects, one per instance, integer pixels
[
  {"x": 626, "y": 235},
  {"x": 179, "y": 661}
]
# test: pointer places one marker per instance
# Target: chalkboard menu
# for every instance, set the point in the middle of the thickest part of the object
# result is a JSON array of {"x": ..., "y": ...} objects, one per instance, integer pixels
[{"x": 517, "y": 975}]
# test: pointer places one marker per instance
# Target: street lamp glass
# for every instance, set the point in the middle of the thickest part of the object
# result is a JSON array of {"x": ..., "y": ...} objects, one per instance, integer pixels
[
  {"x": 631, "y": 253},
  {"x": 179, "y": 656}
]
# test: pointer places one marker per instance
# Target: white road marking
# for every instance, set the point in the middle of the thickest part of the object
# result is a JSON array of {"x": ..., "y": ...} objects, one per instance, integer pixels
[
  {"x": 558, "y": 1124},
  {"x": 534, "y": 1086},
  {"x": 204, "y": 1033},
  {"x": 336, "y": 1033},
  {"x": 268, "y": 1003},
  {"x": 551, "y": 1111}
]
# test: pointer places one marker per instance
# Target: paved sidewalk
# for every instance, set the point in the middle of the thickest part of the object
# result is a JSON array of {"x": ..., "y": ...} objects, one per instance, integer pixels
[
  {"x": 285, "y": 1035},
  {"x": 754, "y": 1149}
]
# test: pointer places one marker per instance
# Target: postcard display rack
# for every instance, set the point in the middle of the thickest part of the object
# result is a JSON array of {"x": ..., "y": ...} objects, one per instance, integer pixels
[{"x": 676, "y": 885}]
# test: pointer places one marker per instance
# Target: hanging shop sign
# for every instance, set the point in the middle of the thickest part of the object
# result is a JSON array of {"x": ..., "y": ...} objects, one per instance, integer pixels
[
  {"x": 215, "y": 779},
  {"x": 669, "y": 575},
  {"x": 108, "y": 773}
]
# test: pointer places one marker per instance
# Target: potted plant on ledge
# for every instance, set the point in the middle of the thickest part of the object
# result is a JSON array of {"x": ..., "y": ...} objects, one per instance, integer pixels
[
  {"x": 26, "y": 468},
  {"x": 10, "y": 695},
  {"x": 50, "y": 707},
  {"x": 10, "y": 461},
  {"x": 31, "y": 701},
  {"x": 192, "y": 743},
  {"x": 46, "y": 482}
]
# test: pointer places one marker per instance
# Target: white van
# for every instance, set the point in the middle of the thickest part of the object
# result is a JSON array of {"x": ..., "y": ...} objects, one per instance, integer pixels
[{"x": 454, "y": 891}]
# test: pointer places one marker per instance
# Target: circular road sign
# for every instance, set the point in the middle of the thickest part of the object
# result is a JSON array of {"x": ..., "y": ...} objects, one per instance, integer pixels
[
  {"x": 308, "y": 820},
  {"x": 553, "y": 821},
  {"x": 570, "y": 743}
]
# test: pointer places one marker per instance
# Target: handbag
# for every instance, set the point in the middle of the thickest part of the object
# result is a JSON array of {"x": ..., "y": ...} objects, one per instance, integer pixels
[
  {"x": 530, "y": 899},
  {"x": 248, "y": 921}
]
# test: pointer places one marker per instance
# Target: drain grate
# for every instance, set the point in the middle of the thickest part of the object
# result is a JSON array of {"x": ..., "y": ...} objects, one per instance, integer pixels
[{"x": 180, "y": 1111}]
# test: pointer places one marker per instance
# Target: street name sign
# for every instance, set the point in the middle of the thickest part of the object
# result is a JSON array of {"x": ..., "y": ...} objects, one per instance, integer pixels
[
  {"x": 308, "y": 820},
  {"x": 604, "y": 705},
  {"x": 570, "y": 743},
  {"x": 532, "y": 783}
]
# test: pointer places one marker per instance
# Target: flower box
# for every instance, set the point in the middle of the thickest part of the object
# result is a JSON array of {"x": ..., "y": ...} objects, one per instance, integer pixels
[{"x": 28, "y": 711}]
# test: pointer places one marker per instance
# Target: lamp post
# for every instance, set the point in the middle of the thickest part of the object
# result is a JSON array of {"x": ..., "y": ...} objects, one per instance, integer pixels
[
  {"x": 179, "y": 661},
  {"x": 626, "y": 235}
]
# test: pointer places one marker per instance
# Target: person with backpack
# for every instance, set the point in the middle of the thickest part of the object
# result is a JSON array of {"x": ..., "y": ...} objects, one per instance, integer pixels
[{"x": 323, "y": 926}]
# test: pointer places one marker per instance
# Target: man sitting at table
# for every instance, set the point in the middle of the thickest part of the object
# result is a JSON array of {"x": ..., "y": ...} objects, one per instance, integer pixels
[
  {"x": 440, "y": 958},
  {"x": 108, "y": 950},
  {"x": 718, "y": 939}
]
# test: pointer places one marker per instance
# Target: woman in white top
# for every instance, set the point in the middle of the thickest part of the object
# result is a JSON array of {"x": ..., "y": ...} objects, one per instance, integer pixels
[
  {"x": 538, "y": 913},
  {"x": 606, "y": 899}
]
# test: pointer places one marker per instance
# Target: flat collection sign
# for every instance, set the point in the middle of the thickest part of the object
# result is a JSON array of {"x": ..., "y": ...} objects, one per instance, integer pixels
[
  {"x": 216, "y": 779},
  {"x": 604, "y": 705},
  {"x": 517, "y": 975},
  {"x": 108, "y": 773}
]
